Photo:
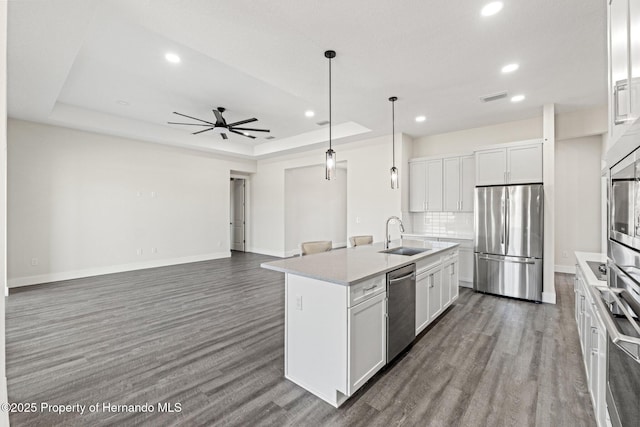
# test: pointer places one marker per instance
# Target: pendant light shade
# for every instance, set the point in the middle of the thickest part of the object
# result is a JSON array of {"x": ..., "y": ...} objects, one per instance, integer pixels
[
  {"x": 330, "y": 161},
  {"x": 394, "y": 169}
]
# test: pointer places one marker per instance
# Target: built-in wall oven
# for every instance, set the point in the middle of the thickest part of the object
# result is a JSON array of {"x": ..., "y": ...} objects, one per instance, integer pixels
[{"x": 618, "y": 304}]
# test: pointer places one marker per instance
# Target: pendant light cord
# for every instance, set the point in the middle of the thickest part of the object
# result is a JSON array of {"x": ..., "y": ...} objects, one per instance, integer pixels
[
  {"x": 329, "y": 103},
  {"x": 393, "y": 130}
]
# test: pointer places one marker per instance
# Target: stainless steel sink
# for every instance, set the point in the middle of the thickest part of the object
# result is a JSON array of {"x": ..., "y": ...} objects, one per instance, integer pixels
[{"x": 404, "y": 250}]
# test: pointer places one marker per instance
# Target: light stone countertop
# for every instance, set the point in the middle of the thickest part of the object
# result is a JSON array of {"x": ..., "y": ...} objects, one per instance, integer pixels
[
  {"x": 352, "y": 265},
  {"x": 582, "y": 258},
  {"x": 454, "y": 236}
]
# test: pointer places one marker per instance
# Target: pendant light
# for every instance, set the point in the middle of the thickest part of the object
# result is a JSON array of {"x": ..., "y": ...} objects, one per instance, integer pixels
[
  {"x": 330, "y": 161},
  {"x": 394, "y": 169}
]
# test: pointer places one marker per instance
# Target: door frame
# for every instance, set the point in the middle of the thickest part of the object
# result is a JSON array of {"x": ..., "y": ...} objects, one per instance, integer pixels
[{"x": 235, "y": 176}]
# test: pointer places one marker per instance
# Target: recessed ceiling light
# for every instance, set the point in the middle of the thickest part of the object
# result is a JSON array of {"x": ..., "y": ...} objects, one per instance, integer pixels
[
  {"x": 492, "y": 8},
  {"x": 309, "y": 113},
  {"x": 122, "y": 102},
  {"x": 172, "y": 57},
  {"x": 517, "y": 98},
  {"x": 420, "y": 119},
  {"x": 510, "y": 68}
]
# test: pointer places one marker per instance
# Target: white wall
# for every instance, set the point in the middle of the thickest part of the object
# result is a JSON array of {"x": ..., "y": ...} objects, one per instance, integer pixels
[
  {"x": 370, "y": 199},
  {"x": 577, "y": 201},
  {"x": 83, "y": 204},
  {"x": 468, "y": 140},
  {"x": 4, "y": 416},
  {"x": 315, "y": 209}
]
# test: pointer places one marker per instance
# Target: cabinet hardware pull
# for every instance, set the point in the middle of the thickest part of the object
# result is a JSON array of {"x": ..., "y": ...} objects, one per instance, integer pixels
[{"x": 368, "y": 289}]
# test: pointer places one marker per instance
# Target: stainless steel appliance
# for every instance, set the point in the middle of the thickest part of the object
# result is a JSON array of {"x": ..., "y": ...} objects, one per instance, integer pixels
[
  {"x": 401, "y": 309},
  {"x": 618, "y": 305},
  {"x": 509, "y": 240},
  {"x": 624, "y": 202}
]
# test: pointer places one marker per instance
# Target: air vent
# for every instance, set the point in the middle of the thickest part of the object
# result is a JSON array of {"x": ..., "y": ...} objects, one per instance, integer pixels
[
  {"x": 493, "y": 97},
  {"x": 269, "y": 137},
  {"x": 323, "y": 123}
]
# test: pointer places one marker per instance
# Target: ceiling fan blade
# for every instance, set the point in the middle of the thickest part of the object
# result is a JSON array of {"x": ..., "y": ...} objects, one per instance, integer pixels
[
  {"x": 190, "y": 124},
  {"x": 200, "y": 131},
  {"x": 240, "y": 133},
  {"x": 224, "y": 136},
  {"x": 219, "y": 118},
  {"x": 249, "y": 129},
  {"x": 194, "y": 118},
  {"x": 241, "y": 122}
]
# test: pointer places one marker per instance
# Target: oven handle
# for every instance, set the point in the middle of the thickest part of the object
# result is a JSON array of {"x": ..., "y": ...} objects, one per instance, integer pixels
[{"x": 605, "y": 315}]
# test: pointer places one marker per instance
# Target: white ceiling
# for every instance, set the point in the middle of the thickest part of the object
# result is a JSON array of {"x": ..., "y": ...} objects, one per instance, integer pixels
[{"x": 71, "y": 61}]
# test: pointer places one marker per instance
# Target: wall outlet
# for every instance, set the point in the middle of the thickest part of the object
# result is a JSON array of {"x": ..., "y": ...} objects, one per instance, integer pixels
[
  {"x": 139, "y": 251},
  {"x": 565, "y": 254},
  {"x": 154, "y": 194},
  {"x": 357, "y": 220},
  {"x": 139, "y": 194},
  {"x": 154, "y": 250},
  {"x": 34, "y": 261},
  {"x": 299, "y": 302}
]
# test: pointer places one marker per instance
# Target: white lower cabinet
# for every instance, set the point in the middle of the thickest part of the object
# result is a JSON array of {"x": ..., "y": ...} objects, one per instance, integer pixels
[
  {"x": 435, "y": 294},
  {"x": 422, "y": 300},
  {"x": 593, "y": 343},
  {"x": 450, "y": 281},
  {"x": 367, "y": 340}
]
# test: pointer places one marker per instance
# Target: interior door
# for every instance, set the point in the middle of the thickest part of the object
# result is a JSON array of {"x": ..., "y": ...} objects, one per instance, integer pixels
[{"x": 237, "y": 218}]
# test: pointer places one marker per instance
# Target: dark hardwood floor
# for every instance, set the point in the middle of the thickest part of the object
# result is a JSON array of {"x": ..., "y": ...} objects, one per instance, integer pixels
[{"x": 209, "y": 336}]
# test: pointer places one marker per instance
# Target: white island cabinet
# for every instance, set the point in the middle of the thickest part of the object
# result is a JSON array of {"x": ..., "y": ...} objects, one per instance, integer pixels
[{"x": 336, "y": 313}]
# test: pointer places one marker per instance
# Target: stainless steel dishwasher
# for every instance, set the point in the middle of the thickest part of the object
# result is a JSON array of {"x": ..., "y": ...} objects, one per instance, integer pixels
[{"x": 401, "y": 309}]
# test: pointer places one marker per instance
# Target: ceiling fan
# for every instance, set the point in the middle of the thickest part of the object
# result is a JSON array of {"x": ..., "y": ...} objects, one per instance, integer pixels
[{"x": 221, "y": 126}]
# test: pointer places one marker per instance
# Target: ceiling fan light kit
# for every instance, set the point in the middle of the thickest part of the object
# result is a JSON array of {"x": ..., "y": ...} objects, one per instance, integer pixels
[
  {"x": 330, "y": 160},
  {"x": 221, "y": 126}
]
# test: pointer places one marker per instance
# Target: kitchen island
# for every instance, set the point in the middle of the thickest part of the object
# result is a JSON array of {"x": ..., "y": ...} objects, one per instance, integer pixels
[{"x": 336, "y": 310}]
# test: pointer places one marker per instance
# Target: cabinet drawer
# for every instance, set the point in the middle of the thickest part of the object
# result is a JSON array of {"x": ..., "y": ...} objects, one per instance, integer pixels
[{"x": 364, "y": 290}]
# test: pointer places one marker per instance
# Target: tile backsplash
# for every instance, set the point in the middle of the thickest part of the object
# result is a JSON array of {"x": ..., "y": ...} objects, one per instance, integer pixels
[{"x": 442, "y": 223}]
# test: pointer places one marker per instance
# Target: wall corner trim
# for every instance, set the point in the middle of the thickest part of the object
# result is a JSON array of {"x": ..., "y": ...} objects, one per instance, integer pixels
[{"x": 549, "y": 297}]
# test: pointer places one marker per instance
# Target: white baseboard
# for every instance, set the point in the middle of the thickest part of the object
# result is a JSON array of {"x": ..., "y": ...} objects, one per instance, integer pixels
[
  {"x": 549, "y": 297},
  {"x": 570, "y": 269},
  {"x": 77, "y": 274},
  {"x": 279, "y": 254}
]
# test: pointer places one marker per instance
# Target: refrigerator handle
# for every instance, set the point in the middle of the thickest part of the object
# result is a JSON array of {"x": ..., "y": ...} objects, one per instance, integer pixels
[{"x": 506, "y": 221}]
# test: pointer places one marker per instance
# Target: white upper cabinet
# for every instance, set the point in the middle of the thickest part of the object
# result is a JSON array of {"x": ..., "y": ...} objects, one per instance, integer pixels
[
  {"x": 624, "y": 66},
  {"x": 517, "y": 164},
  {"x": 437, "y": 185},
  {"x": 425, "y": 186},
  {"x": 417, "y": 186},
  {"x": 452, "y": 183},
  {"x": 524, "y": 164},
  {"x": 491, "y": 166},
  {"x": 434, "y": 185}
]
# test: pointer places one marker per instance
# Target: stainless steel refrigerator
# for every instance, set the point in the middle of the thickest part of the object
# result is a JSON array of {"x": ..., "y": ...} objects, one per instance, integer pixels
[{"x": 509, "y": 223}]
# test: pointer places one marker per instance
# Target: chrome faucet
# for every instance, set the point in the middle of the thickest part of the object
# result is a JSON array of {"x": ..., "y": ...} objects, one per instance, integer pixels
[{"x": 387, "y": 237}]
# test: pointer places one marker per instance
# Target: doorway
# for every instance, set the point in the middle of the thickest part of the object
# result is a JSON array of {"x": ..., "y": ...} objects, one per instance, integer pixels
[{"x": 237, "y": 236}]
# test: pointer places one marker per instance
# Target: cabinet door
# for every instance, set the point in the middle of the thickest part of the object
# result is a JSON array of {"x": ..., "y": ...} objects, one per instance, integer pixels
[
  {"x": 524, "y": 164},
  {"x": 634, "y": 58},
  {"x": 367, "y": 340},
  {"x": 435, "y": 294},
  {"x": 468, "y": 183},
  {"x": 465, "y": 267},
  {"x": 417, "y": 186},
  {"x": 491, "y": 167},
  {"x": 593, "y": 362},
  {"x": 422, "y": 301},
  {"x": 434, "y": 185},
  {"x": 619, "y": 100},
  {"x": 452, "y": 172},
  {"x": 454, "y": 277}
]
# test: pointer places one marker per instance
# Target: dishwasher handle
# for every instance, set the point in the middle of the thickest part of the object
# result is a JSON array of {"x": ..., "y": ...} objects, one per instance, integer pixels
[{"x": 400, "y": 279}]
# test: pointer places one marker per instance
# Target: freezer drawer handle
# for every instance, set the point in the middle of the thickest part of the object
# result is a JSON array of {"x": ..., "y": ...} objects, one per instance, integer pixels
[{"x": 507, "y": 260}]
